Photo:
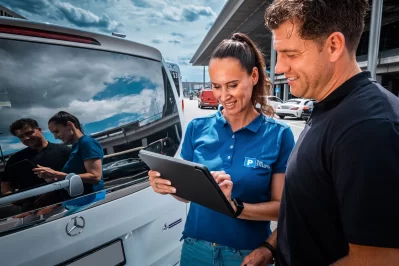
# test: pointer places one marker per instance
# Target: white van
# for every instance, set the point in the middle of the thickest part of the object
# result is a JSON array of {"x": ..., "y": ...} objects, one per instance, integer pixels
[
  {"x": 124, "y": 95},
  {"x": 177, "y": 80}
]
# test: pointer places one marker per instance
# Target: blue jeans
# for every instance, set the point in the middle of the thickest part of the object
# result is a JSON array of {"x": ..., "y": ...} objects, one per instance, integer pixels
[{"x": 203, "y": 253}]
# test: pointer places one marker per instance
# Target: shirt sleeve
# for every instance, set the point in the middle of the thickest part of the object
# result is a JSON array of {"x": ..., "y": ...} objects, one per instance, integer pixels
[
  {"x": 365, "y": 170},
  {"x": 91, "y": 149},
  {"x": 187, "y": 150},
  {"x": 287, "y": 144}
]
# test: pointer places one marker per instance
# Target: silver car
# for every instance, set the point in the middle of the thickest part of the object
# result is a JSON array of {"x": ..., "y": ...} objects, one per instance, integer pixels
[{"x": 125, "y": 97}]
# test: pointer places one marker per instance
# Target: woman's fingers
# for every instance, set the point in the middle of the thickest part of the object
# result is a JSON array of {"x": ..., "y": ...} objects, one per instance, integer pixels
[
  {"x": 160, "y": 185},
  {"x": 222, "y": 177},
  {"x": 226, "y": 183}
]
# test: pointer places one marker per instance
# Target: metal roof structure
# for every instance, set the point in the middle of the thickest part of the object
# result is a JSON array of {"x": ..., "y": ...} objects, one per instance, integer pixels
[{"x": 247, "y": 16}]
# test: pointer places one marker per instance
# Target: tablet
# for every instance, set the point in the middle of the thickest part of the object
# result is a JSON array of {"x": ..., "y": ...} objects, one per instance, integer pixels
[
  {"x": 25, "y": 166},
  {"x": 192, "y": 181}
]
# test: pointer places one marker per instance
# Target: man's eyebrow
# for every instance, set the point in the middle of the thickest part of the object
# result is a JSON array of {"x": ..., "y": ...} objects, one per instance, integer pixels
[{"x": 289, "y": 51}]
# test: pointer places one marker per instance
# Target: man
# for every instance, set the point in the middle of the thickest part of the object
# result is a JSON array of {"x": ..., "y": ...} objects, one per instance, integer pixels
[
  {"x": 40, "y": 152},
  {"x": 340, "y": 199}
]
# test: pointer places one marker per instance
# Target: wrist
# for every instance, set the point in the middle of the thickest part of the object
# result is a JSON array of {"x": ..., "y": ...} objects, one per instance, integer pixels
[
  {"x": 238, "y": 207},
  {"x": 233, "y": 205},
  {"x": 270, "y": 249}
]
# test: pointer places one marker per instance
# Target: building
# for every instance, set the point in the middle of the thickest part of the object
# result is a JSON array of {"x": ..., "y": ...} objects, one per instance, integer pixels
[
  {"x": 247, "y": 16},
  {"x": 5, "y": 12}
]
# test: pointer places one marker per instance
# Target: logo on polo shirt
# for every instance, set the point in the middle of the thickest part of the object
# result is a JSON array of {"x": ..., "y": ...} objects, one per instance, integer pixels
[{"x": 254, "y": 163}]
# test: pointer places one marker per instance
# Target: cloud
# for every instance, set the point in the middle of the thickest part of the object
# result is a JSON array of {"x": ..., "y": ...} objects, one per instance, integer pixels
[
  {"x": 86, "y": 19},
  {"x": 141, "y": 3},
  {"x": 181, "y": 13},
  {"x": 53, "y": 82},
  {"x": 209, "y": 25},
  {"x": 176, "y": 34},
  {"x": 156, "y": 41},
  {"x": 184, "y": 60},
  {"x": 31, "y": 6},
  {"x": 174, "y": 41},
  {"x": 192, "y": 13}
]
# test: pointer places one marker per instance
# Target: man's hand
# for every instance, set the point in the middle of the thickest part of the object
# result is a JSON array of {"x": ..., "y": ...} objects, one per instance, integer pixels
[{"x": 259, "y": 257}]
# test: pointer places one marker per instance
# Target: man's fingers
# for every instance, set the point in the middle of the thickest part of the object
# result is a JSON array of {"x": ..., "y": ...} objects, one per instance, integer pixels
[{"x": 246, "y": 260}]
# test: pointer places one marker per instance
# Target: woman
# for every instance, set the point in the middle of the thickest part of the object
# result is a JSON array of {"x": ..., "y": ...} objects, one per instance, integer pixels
[
  {"x": 246, "y": 150},
  {"x": 86, "y": 155}
]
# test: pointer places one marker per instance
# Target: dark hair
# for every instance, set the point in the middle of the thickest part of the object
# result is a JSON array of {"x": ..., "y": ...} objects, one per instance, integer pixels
[
  {"x": 21, "y": 123},
  {"x": 242, "y": 48},
  {"x": 63, "y": 118},
  {"x": 319, "y": 18}
]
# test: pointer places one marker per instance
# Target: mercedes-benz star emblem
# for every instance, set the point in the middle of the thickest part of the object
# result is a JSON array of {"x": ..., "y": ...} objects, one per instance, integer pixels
[{"x": 75, "y": 226}]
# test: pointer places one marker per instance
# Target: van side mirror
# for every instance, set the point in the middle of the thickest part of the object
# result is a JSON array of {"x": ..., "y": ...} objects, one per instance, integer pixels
[
  {"x": 72, "y": 184},
  {"x": 75, "y": 185}
]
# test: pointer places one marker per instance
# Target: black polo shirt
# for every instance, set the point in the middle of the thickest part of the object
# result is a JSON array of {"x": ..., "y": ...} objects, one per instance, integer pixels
[
  {"x": 53, "y": 155},
  {"x": 342, "y": 179}
]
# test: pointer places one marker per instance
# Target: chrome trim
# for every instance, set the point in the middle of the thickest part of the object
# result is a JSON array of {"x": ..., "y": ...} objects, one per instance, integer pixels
[
  {"x": 75, "y": 226},
  {"x": 29, "y": 219}
]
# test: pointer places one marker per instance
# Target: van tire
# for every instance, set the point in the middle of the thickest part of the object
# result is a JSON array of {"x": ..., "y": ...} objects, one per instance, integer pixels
[{"x": 281, "y": 116}]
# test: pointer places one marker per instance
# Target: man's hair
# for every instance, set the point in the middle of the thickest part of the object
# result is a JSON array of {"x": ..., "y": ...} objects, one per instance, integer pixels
[
  {"x": 21, "y": 123},
  {"x": 317, "y": 19}
]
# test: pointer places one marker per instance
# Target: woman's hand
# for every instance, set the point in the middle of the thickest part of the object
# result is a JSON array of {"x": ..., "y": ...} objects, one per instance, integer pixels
[
  {"x": 160, "y": 185},
  {"x": 48, "y": 174},
  {"x": 225, "y": 183}
]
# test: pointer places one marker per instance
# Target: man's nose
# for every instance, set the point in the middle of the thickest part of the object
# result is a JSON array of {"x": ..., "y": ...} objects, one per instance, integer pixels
[{"x": 281, "y": 66}]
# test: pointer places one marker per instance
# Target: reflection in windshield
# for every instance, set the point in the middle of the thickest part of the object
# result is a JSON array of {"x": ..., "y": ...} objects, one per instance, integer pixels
[{"x": 124, "y": 103}]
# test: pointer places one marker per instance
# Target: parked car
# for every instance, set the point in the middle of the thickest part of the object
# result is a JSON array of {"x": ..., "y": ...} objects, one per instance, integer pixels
[
  {"x": 207, "y": 99},
  {"x": 274, "y": 101},
  {"x": 292, "y": 108},
  {"x": 307, "y": 110},
  {"x": 124, "y": 168},
  {"x": 99, "y": 78}
]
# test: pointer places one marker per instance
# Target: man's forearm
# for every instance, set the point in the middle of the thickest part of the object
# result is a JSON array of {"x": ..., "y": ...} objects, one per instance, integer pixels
[{"x": 272, "y": 240}]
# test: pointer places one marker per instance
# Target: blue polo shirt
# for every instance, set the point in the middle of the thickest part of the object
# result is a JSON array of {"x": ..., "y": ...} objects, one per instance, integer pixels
[
  {"x": 250, "y": 156},
  {"x": 84, "y": 149}
]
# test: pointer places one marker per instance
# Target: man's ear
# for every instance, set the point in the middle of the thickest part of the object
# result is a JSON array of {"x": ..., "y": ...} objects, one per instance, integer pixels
[
  {"x": 40, "y": 129},
  {"x": 336, "y": 46}
]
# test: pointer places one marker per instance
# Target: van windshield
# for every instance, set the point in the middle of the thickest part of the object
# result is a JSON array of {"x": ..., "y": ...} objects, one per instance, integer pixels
[{"x": 122, "y": 101}]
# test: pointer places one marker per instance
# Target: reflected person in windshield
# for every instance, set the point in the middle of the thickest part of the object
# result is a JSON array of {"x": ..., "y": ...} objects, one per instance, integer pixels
[
  {"x": 39, "y": 151},
  {"x": 86, "y": 156}
]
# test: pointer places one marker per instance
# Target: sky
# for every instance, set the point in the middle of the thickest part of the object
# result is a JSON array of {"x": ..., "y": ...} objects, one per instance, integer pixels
[{"x": 175, "y": 27}]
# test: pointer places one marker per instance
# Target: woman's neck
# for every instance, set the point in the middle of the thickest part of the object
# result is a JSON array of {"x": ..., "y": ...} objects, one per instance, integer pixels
[
  {"x": 241, "y": 119},
  {"x": 77, "y": 134}
]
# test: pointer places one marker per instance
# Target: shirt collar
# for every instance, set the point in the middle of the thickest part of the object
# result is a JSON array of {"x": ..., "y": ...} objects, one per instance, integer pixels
[
  {"x": 359, "y": 80},
  {"x": 253, "y": 126}
]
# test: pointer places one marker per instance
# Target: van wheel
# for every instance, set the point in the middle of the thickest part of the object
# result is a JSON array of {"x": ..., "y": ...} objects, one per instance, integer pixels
[{"x": 281, "y": 116}]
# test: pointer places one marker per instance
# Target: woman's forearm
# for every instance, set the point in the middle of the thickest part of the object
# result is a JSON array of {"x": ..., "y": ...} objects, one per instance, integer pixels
[
  {"x": 264, "y": 211},
  {"x": 89, "y": 178}
]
